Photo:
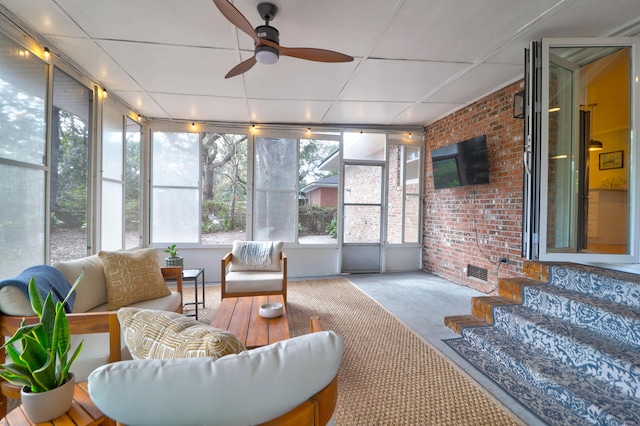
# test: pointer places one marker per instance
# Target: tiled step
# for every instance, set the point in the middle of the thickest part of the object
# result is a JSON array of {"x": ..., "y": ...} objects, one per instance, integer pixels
[
  {"x": 512, "y": 363},
  {"x": 618, "y": 287},
  {"x": 512, "y": 288},
  {"x": 593, "y": 313},
  {"x": 458, "y": 322},
  {"x": 482, "y": 307},
  {"x": 601, "y": 357}
]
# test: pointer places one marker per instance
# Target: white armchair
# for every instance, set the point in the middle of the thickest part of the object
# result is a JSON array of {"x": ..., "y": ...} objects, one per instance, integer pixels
[{"x": 254, "y": 268}]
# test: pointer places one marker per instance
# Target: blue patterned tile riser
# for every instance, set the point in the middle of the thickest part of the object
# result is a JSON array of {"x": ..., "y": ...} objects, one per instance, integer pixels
[
  {"x": 571, "y": 352},
  {"x": 598, "y": 356},
  {"x": 602, "y": 316},
  {"x": 618, "y": 287},
  {"x": 508, "y": 362}
]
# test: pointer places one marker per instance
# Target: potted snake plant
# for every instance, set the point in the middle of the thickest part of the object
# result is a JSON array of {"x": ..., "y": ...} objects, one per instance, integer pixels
[{"x": 42, "y": 364}]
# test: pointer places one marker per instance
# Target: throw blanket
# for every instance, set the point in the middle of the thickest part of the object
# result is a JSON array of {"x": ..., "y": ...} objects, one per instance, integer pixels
[
  {"x": 48, "y": 279},
  {"x": 256, "y": 254}
]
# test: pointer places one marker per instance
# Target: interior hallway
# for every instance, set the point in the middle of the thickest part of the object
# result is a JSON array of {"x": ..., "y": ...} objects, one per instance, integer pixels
[{"x": 422, "y": 300}]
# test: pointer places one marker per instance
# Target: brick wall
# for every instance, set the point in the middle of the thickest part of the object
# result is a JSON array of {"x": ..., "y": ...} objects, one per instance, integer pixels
[{"x": 477, "y": 225}]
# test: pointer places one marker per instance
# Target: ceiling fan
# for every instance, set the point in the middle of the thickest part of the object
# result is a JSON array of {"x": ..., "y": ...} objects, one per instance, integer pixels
[{"x": 267, "y": 41}]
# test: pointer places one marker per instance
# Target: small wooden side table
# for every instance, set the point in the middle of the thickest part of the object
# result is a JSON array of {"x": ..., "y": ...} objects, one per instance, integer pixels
[{"x": 83, "y": 412}]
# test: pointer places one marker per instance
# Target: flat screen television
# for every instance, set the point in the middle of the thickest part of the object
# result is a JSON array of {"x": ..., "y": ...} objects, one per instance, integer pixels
[{"x": 461, "y": 164}]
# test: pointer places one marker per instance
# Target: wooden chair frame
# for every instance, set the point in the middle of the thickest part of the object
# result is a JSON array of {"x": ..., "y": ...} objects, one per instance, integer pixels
[
  {"x": 79, "y": 323},
  {"x": 226, "y": 260},
  {"x": 317, "y": 410}
]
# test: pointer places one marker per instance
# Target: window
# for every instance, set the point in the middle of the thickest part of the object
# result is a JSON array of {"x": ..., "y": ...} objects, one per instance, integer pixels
[
  {"x": 403, "y": 211},
  {"x": 22, "y": 158},
  {"x": 121, "y": 212},
  {"x": 318, "y": 176},
  {"x": 132, "y": 185},
  {"x": 69, "y": 168},
  {"x": 175, "y": 193},
  {"x": 224, "y": 187},
  {"x": 276, "y": 185}
]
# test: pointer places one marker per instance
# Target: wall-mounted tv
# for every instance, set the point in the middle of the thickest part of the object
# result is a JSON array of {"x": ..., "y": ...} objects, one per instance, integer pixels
[{"x": 461, "y": 164}]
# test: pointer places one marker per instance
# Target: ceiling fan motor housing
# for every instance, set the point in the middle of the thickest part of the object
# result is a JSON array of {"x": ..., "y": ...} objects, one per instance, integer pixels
[{"x": 267, "y": 54}]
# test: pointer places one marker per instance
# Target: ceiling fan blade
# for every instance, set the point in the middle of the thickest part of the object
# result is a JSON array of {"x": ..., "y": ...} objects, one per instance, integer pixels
[
  {"x": 242, "y": 67},
  {"x": 236, "y": 18},
  {"x": 311, "y": 54}
]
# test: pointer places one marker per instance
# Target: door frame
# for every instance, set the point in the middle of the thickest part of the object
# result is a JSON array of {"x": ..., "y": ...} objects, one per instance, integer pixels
[{"x": 542, "y": 196}]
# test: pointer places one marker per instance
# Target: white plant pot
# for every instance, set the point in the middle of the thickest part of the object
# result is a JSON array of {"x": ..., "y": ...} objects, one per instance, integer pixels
[{"x": 44, "y": 406}]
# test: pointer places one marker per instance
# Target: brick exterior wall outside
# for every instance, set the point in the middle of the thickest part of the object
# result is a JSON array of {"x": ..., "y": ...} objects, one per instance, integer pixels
[
  {"x": 477, "y": 225},
  {"x": 324, "y": 197},
  {"x": 362, "y": 185}
]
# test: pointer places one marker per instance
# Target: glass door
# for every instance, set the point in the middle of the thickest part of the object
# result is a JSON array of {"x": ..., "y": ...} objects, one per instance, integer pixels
[
  {"x": 362, "y": 218},
  {"x": 586, "y": 206},
  {"x": 363, "y": 171}
]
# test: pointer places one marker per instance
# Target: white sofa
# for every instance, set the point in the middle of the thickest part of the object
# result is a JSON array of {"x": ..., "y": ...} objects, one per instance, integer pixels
[
  {"x": 90, "y": 319},
  {"x": 249, "y": 388}
]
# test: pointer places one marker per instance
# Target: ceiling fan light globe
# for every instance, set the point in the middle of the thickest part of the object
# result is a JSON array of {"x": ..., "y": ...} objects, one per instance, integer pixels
[{"x": 267, "y": 56}]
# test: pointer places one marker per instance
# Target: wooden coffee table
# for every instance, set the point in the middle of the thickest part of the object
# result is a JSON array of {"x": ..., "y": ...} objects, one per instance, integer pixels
[
  {"x": 82, "y": 412},
  {"x": 239, "y": 315}
]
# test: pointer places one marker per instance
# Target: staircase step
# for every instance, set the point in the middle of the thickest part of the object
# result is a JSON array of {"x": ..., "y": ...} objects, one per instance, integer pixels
[
  {"x": 537, "y": 271},
  {"x": 512, "y": 288},
  {"x": 602, "y": 357},
  {"x": 568, "y": 391},
  {"x": 482, "y": 306},
  {"x": 458, "y": 322},
  {"x": 618, "y": 287},
  {"x": 596, "y": 314}
]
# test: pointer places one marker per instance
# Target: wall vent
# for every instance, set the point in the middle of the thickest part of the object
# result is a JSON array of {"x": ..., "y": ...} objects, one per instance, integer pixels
[{"x": 477, "y": 272}]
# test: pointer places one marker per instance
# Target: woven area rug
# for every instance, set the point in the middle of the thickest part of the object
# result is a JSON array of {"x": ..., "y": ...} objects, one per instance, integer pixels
[{"x": 389, "y": 374}]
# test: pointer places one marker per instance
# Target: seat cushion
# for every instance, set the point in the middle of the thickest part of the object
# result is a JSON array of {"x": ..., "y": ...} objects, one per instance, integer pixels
[
  {"x": 245, "y": 282},
  {"x": 132, "y": 277},
  {"x": 151, "y": 334},
  {"x": 248, "y": 388},
  {"x": 92, "y": 290},
  {"x": 272, "y": 265}
]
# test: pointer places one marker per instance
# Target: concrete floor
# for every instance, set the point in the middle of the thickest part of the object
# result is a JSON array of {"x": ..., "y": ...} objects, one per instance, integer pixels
[{"x": 421, "y": 301}]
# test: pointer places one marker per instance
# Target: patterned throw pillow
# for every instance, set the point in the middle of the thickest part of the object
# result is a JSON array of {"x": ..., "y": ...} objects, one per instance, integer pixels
[
  {"x": 132, "y": 277},
  {"x": 152, "y": 334}
]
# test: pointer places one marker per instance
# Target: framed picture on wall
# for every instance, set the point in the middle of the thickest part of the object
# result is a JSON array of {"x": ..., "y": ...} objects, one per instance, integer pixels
[{"x": 611, "y": 160}]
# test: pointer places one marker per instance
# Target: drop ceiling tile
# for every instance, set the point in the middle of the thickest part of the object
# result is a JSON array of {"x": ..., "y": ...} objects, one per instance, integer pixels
[
  {"x": 177, "y": 69},
  {"x": 465, "y": 88},
  {"x": 293, "y": 78},
  {"x": 192, "y": 22},
  {"x": 442, "y": 30},
  {"x": 203, "y": 108},
  {"x": 96, "y": 62},
  {"x": 349, "y": 27},
  {"x": 45, "y": 16},
  {"x": 424, "y": 113},
  {"x": 142, "y": 104},
  {"x": 383, "y": 113},
  {"x": 287, "y": 111},
  {"x": 398, "y": 81}
]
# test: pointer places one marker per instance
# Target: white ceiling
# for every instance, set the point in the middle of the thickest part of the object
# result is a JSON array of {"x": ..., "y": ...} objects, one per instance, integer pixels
[{"x": 415, "y": 60}]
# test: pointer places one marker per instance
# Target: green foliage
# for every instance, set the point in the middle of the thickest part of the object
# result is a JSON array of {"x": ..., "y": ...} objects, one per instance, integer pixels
[
  {"x": 44, "y": 362},
  {"x": 332, "y": 228},
  {"x": 172, "y": 250}
]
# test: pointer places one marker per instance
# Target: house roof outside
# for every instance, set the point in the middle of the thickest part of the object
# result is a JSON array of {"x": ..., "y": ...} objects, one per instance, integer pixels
[{"x": 327, "y": 182}]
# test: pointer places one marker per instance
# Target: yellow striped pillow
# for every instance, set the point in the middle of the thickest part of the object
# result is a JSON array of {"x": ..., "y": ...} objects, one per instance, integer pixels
[{"x": 152, "y": 334}]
